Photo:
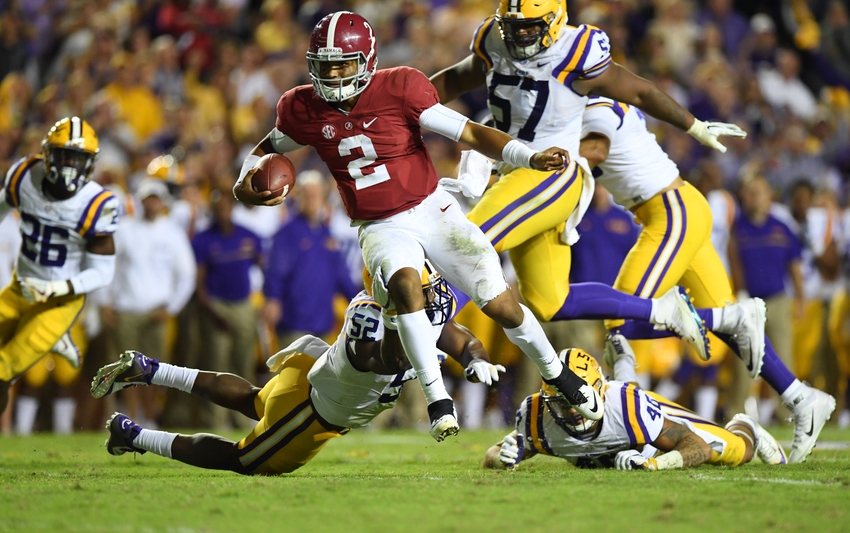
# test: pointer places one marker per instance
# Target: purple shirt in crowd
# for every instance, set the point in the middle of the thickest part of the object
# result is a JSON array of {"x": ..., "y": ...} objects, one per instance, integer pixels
[
  {"x": 227, "y": 260},
  {"x": 305, "y": 270},
  {"x": 766, "y": 251},
  {"x": 606, "y": 239}
]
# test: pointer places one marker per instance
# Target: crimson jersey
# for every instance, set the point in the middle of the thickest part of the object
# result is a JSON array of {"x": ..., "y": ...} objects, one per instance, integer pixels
[{"x": 376, "y": 152}]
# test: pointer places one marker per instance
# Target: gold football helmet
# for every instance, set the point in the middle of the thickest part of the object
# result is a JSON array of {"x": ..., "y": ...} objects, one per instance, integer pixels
[
  {"x": 439, "y": 300},
  {"x": 585, "y": 367},
  {"x": 69, "y": 148},
  {"x": 530, "y": 26}
]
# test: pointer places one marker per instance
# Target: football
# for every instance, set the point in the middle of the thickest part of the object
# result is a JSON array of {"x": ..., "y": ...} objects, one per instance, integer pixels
[{"x": 275, "y": 173}]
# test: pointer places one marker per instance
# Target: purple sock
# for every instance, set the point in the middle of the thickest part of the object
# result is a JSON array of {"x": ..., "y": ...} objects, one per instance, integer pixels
[
  {"x": 774, "y": 371},
  {"x": 639, "y": 330},
  {"x": 599, "y": 301}
]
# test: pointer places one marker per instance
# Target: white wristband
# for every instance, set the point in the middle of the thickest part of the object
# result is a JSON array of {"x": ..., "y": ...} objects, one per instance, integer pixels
[
  {"x": 669, "y": 460},
  {"x": 517, "y": 154},
  {"x": 249, "y": 163},
  {"x": 390, "y": 321}
]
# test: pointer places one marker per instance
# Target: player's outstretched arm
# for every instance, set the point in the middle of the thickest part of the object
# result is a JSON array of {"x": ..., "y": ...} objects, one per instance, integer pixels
[
  {"x": 462, "y": 346},
  {"x": 676, "y": 438},
  {"x": 622, "y": 85},
  {"x": 462, "y": 77},
  {"x": 507, "y": 453},
  {"x": 497, "y": 144}
]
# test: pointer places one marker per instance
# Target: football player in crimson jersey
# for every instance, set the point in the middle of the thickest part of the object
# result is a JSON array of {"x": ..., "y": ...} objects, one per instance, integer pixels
[
  {"x": 539, "y": 73},
  {"x": 366, "y": 125}
]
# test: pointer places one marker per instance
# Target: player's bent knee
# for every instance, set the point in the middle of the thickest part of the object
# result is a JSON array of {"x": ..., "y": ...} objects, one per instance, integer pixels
[
  {"x": 406, "y": 290},
  {"x": 505, "y": 311}
]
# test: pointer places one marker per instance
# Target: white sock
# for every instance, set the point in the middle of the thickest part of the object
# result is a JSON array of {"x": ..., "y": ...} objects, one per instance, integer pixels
[
  {"x": 668, "y": 389},
  {"x": 25, "y": 410},
  {"x": 717, "y": 319},
  {"x": 531, "y": 339},
  {"x": 791, "y": 396},
  {"x": 705, "y": 401},
  {"x": 176, "y": 377},
  {"x": 624, "y": 369},
  {"x": 63, "y": 415},
  {"x": 158, "y": 442},
  {"x": 766, "y": 408},
  {"x": 417, "y": 338},
  {"x": 472, "y": 404},
  {"x": 652, "y": 311},
  {"x": 644, "y": 380}
]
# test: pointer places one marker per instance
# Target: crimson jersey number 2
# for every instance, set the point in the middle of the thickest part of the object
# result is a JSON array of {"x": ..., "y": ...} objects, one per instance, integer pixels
[{"x": 379, "y": 173}]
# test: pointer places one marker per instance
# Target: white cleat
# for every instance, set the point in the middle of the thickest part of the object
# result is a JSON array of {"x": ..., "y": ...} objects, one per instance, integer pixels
[
  {"x": 66, "y": 348},
  {"x": 443, "y": 419},
  {"x": 766, "y": 447},
  {"x": 675, "y": 312},
  {"x": 812, "y": 408},
  {"x": 617, "y": 347},
  {"x": 592, "y": 408},
  {"x": 747, "y": 328}
]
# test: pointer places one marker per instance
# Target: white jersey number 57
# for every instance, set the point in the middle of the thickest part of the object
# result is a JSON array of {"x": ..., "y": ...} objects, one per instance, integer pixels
[{"x": 379, "y": 173}]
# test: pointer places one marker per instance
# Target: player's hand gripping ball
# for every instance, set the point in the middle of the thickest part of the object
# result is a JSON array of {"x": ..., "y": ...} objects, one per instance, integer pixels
[{"x": 275, "y": 173}]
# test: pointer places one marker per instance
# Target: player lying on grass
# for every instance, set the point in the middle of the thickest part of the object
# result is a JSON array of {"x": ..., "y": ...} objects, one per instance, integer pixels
[
  {"x": 638, "y": 430},
  {"x": 318, "y": 392}
]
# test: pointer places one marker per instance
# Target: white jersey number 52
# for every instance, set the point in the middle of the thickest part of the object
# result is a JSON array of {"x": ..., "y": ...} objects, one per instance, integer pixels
[{"x": 379, "y": 173}]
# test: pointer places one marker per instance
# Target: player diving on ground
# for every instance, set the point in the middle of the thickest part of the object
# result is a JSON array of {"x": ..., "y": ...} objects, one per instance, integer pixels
[
  {"x": 318, "y": 392},
  {"x": 639, "y": 430}
]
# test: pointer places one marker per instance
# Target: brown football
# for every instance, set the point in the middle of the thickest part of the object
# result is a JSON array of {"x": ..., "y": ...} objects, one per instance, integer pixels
[{"x": 275, "y": 173}]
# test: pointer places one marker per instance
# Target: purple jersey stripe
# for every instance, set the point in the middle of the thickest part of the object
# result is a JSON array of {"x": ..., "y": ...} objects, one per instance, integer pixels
[
  {"x": 626, "y": 423},
  {"x": 639, "y": 417}
]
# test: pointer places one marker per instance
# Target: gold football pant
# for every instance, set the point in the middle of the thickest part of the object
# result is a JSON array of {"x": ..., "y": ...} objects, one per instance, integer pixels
[
  {"x": 727, "y": 449},
  {"x": 28, "y": 331},
  {"x": 525, "y": 213},
  {"x": 674, "y": 248},
  {"x": 289, "y": 432},
  {"x": 56, "y": 367}
]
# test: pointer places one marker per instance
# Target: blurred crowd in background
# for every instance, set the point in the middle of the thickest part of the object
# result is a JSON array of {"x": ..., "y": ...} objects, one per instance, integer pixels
[{"x": 179, "y": 91}]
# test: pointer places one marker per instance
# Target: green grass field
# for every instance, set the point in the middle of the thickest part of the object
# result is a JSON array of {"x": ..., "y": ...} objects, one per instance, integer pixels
[{"x": 402, "y": 481}]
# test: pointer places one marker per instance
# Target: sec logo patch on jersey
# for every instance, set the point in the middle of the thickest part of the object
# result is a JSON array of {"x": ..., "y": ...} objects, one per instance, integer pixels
[{"x": 329, "y": 131}]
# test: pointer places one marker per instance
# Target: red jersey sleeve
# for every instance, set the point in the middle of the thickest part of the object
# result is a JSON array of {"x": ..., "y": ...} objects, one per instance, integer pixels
[
  {"x": 419, "y": 94},
  {"x": 284, "y": 121}
]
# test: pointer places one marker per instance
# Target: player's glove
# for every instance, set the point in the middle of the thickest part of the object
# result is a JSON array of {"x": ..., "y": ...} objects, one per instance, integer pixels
[
  {"x": 473, "y": 175},
  {"x": 380, "y": 291},
  {"x": 708, "y": 132},
  {"x": 37, "y": 290},
  {"x": 511, "y": 451},
  {"x": 633, "y": 460},
  {"x": 481, "y": 371}
]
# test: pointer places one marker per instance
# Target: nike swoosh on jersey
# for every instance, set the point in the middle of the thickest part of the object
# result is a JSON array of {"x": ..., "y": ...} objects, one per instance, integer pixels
[{"x": 367, "y": 124}]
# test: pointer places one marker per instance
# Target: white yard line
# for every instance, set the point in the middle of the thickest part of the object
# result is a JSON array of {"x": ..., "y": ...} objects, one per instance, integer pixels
[{"x": 779, "y": 480}]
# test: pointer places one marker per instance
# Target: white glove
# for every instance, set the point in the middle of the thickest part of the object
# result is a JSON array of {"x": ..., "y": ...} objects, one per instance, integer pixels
[
  {"x": 632, "y": 460},
  {"x": 480, "y": 371},
  {"x": 512, "y": 450},
  {"x": 380, "y": 291},
  {"x": 37, "y": 290},
  {"x": 708, "y": 132},
  {"x": 473, "y": 175}
]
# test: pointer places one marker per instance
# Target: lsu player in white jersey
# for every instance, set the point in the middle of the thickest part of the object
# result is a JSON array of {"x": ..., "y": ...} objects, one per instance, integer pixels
[
  {"x": 318, "y": 392},
  {"x": 639, "y": 429},
  {"x": 67, "y": 224},
  {"x": 539, "y": 72},
  {"x": 675, "y": 248}
]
